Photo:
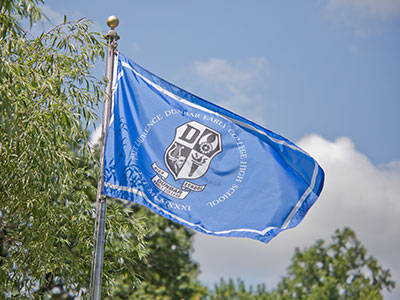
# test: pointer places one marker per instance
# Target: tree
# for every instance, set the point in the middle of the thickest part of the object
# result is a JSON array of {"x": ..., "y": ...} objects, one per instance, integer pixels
[
  {"x": 168, "y": 272},
  {"x": 48, "y": 175},
  {"x": 232, "y": 290},
  {"x": 340, "y": 270}
]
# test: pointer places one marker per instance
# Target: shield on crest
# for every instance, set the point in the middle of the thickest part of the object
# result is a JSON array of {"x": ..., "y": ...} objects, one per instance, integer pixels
[{"x": 190, "y": 153}]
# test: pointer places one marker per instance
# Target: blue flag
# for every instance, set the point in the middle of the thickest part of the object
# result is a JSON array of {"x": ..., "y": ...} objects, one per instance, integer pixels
[{"x": 201, "y": 165}]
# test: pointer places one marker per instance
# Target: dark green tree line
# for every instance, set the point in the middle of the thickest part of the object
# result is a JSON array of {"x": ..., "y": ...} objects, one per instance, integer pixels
[
  {"x": 337, "y": 270},
  {"x": 168, "y": 272}
]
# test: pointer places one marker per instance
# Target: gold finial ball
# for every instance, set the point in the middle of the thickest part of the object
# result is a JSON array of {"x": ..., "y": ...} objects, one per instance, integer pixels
[{"x": 112, "y": 22}]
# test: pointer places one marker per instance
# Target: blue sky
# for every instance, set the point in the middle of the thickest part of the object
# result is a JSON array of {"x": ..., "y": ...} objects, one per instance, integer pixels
[
  {"x": 331, "y": 71},
  {"x": 322, "y": 73}
]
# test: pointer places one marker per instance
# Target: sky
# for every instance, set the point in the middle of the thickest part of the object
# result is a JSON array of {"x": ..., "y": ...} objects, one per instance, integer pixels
[{"x": 323, "y": 73}]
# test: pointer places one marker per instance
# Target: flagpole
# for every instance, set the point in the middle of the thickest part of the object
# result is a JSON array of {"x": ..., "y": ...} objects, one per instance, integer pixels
[{"x": 101, "y": 199}]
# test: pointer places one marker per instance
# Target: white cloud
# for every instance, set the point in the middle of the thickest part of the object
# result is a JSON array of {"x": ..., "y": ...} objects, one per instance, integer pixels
[
  {"x": 233, "y": 77},
  {"x": 235, "y": 83},
  {"x": 95, "y": 136},
  {"x": 357, "y": 194},
  {"x": 54, "y": 17},
  {"x": 381, "y": 9}
]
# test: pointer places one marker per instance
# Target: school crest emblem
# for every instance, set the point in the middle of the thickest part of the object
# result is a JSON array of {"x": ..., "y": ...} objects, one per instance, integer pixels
[{"x": 190, "y": 153}]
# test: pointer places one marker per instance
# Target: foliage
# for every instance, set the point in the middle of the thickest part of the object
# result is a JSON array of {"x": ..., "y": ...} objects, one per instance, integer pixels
[
  {"x": 168, "y": 272},
  {"x": 340, "y": 270},
  {"x": 47, "y": 174},
  {"x": 12, "y": 12},
  {"x": 238, "y": 291}
]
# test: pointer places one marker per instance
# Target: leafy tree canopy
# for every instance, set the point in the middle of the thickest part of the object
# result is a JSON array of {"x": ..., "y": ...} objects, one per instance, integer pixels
[
  {"x": 232, "y": 290},
  {"x": 48, "y": 177},
  {"x": 339, "y": 270},
  {"x": 168, "y": 272}
]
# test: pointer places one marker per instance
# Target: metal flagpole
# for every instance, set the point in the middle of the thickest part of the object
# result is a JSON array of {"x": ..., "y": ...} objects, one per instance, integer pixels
[{"x": 99, "y": 232}]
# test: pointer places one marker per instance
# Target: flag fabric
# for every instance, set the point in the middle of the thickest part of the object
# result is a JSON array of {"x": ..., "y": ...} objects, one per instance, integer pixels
[{"x": 201, "y": 165}]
